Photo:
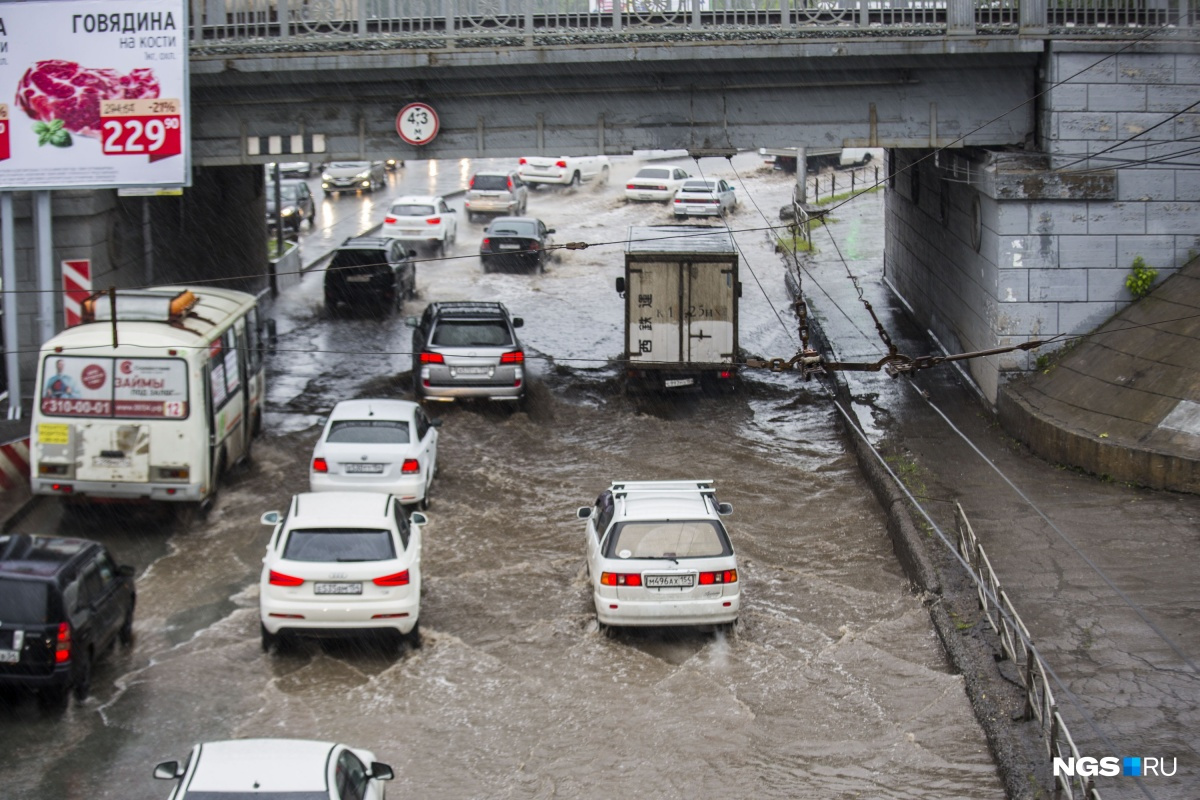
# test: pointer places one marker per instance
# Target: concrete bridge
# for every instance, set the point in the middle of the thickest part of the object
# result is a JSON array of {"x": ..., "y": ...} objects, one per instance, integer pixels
[{"x": 1034, "y": 150}]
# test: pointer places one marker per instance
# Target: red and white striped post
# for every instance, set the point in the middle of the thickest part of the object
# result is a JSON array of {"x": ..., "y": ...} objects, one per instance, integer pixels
[{"x": 77, "y": 287}]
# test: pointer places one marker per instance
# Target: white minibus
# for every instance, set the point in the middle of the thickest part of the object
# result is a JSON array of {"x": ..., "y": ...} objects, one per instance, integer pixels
[{"x": 162, "y": 414}]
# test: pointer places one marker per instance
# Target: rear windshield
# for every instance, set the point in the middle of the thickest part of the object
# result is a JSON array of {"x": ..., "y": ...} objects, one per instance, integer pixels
[
  {"x": 468, "y": 333},
  {"x": 699, "y": 186},
  {"x": 490, "y": 183},
  {"x": 24, "y": 602},
  {"x": 409, "y": 210},
  {"x": 358, "y": 258},
  {"x": 700, "y": 538},
  {"x": 525, "y": 229},
  {"x": 339, "y": 544},
  {"x": 654, "y": 173},
  {"x": 368, "y": 431}
]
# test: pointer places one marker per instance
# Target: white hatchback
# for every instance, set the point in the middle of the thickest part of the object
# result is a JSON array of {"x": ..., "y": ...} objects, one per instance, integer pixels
[
  {"x": 658, "y": 554},
  {"x": 276, "y": 769},
  {"x": 341, "y": 563},
  {"x": 655, "y": 183},
  {"x": 422, "y": 219},
  {"x": 387, "y": 446}
]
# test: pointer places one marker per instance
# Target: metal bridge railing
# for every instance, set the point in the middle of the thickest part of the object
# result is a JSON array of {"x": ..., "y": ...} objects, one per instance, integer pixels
[
  {"x": 415, "y": 22},
  {"x": 1018, "y": 647}
]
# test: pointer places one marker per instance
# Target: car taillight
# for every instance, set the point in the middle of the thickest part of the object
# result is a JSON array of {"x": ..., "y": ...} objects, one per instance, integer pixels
[
  {"x": 320, "y": 465},
  {"x": 471, "y": 185},
  {"x": 727, "y": 576},
  {"x": 486, "y": 244},
  {"x": 630, "y": 186},
  {"x": 390, "y": 220},
  {"x": 398, "y": 579},
  {"x": 562, "y": 164},
  {"x": 62, "y": 647},
  {"x": 279, "y": 579},
  {"x": 523, "y": 161},
  {"x": 432, "y": 358},
  {"x": 515, "y": 357},
  {"x": 620, "y": 579},
  {"x": 510, "y": 184},
  {"x": 410, "y": 466},
  {"x": 434, "y": 221},
  {"x": 725, "y": 374},
  {"x": 661, "y": 188},
  {"x": 677, "y": 200}
]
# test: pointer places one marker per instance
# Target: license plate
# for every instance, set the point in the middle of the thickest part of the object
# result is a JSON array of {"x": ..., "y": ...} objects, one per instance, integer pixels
[
  {"x": 9, "y": 656},
  {"x": 358, "y": 279},
  {"x": 112, "y": 463},
  {"x": 671, "y": 384},
  {"x": 361, "y": 468},
  {"x": 470, "y": 370},
  {"x": 669, "y": 581},
  {"x": 510, "y": 247},
  {"x": 337, "y": 588}
]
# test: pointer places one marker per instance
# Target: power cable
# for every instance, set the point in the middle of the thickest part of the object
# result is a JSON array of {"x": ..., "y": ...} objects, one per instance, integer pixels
[{"x": 1130, "y": 139}]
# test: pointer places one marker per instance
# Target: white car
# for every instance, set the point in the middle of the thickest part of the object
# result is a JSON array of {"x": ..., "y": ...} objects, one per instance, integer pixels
[
  {"x": 704, "y": 198},
  {"x": 563, "y": 170},
  {"x": 655, "y": 183},
  {"x": 276, "y": 769},
  {"x": 423, "y": 219},
  {"x": 658, "y": 554},
  {"x": 387, "y": 446},
  {"x": 341, "y": 563}
]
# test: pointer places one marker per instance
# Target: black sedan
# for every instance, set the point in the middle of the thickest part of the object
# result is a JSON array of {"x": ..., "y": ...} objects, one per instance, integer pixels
[
  {"x": 516, "y": 243},
  {"x": 298, "y": 206}
]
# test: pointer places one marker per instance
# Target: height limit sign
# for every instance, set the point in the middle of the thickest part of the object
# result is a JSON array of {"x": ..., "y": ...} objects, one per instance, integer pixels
[{"x": 417, "y": 123}]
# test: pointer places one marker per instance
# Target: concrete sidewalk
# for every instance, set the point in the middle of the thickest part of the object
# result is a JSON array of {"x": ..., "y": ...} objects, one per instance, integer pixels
[{"x": 1107, "y": 587}]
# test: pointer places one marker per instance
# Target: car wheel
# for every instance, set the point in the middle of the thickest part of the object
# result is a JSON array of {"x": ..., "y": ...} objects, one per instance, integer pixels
[
  {"x": 83, "y": 682},
  {"x": 604, "y": 176},
  {"x": 126, "y": 633},
  {"x": 414, "y": 636},
  {"x": 576, "y": 179},
  {"x": 268, "y": 638},
  {"x": 426, "y": 501}
]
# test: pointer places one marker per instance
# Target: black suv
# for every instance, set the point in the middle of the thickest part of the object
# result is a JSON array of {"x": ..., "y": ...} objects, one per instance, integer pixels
[
  {"x": 370, "y": 272},
  {"x": 467, "y": 349},
  {"x": 63, "y": 602}
]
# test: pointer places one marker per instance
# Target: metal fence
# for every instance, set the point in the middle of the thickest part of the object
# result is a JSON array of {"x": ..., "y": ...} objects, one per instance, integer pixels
[
  {"x": 414, "y": 22},
  {"x": 1018, "y": 647}
]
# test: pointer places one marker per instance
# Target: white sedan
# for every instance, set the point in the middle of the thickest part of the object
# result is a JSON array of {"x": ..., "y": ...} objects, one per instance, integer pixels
[
  {"x": 704, "y": 198},
  {"x": 341, "y": 563},
  {"x": 276, "y": 769},
  {"x": 422, "y": 219},
  {"x": 655, "y": 183},
  {"x": 658, "y": 554},
  {"x": 385, "y": 446}
]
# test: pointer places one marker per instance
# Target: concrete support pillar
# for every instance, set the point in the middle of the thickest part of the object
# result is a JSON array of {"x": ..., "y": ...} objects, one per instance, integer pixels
[
  {"x": 8, "y": 257},
  {"x": 44, "y": 250},
  {"x": 802, "y": 174}
]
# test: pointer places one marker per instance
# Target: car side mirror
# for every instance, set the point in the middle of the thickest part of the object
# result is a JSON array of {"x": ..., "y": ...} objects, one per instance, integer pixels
[
  {"x": 724, "y": 508},
  {"x": 411, "y": 322},
  {"x": 452, "y": 210},
  {"x": 126, "y": 571},
  {"x": 584, "y": 512},
  {"x": 437, "y": 423},
  {"x": 550, "y": 230},
  {"x": 412, "y": 253},
  {"x": 417, "y": 518},
  {"x": 270, "y": 518},
  {"x": 381, "y": 772},
  {"x": 620, "y": 286},
  {"x": 518, "y": 322},
  {"x": 168, "y": 771}
]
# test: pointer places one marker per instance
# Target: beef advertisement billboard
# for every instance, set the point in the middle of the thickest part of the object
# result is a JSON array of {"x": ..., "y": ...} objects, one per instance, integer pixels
[{"x": 93, "y": 94}]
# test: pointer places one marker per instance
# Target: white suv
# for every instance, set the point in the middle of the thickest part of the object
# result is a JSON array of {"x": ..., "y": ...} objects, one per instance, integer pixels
[
  {"x": 658, "y": 554},
  {"x": 341, "y": 563}
]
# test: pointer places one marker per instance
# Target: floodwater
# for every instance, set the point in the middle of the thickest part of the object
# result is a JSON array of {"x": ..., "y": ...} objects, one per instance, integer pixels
[{"x": 833, "y": 685}]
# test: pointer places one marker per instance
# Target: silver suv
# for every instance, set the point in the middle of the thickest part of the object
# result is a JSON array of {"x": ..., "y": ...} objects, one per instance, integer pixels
[
  {"x": 467, "y": 350},
  {"x": 496, "y": 193}
]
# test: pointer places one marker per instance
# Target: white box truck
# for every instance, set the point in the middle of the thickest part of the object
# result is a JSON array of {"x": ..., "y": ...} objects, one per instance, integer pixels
[{"x": 681, "y": 293}]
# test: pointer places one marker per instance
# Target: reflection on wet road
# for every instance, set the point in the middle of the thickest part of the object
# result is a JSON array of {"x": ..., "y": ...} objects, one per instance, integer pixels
[{"x": 833, "y": 686}]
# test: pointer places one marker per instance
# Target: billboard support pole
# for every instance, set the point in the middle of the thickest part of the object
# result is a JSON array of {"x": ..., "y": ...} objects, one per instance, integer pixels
[
  {"x": 45, "y": 264},
  {"x": 8, "y": 255}
]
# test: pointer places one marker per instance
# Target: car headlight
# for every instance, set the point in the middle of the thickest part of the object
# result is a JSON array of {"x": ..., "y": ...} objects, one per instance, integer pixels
[
  {"x": 325, "y": 176},
  {"x": 362, "y": 176},
  {"x": 288, "y": 211}
]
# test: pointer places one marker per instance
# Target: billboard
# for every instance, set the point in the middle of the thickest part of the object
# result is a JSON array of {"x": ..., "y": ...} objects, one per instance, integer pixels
[{"x": 93, "y": 94}]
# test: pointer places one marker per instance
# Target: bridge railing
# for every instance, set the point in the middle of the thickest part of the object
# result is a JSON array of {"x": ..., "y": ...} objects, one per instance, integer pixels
[{"x": 416, "y": 22}]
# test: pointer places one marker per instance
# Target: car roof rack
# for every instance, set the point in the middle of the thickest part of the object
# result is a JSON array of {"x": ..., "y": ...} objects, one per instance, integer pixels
[
  {"x": 626, "y": 488},
  {"x": 469, "y": 307}
]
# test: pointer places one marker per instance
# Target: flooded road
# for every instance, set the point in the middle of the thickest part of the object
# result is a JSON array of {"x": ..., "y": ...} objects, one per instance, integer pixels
[{"x": 833, "y": 685}]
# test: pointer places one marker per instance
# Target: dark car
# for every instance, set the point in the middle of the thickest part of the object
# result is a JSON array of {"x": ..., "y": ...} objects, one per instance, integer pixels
[
  {"x": 298, "y": 204},
  {"x": 467, "y": 350},
  {"x": 372, "y": 272},
  {"x": 516, "y": 242},
  {"x": 63, "y": 602}
]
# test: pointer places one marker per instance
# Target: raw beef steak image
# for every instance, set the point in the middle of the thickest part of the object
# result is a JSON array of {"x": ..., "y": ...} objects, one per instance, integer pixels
[{"x": 64, "y": 90}]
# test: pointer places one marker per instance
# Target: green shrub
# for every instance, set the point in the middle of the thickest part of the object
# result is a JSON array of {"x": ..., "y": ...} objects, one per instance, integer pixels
[{"x": 1140, "y": 280}]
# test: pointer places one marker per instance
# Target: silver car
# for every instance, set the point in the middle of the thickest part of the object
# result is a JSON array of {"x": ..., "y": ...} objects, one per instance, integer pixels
[
  {"x": 467, "y": 350},
  {"x": 496, "y": 193},
  {"x": 704, "y": 198},
  {"x": 351, "y": 176}
]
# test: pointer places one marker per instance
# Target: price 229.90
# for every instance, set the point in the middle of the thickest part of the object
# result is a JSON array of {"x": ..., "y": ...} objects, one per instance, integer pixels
[{"x": 157, "y": 136}]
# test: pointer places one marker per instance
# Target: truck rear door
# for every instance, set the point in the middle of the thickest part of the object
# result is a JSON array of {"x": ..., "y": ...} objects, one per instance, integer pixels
[
  {"x": 653, "y": 299},
  {"x": 709, "y": 315}
]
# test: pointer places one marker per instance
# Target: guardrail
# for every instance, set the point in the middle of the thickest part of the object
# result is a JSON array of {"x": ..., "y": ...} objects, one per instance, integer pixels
[
  {"x": 423, "y": 23},
  {"x": 1018, "y": 647}
]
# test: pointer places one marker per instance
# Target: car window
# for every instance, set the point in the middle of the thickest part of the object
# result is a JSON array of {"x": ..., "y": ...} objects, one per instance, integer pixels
[
  {"x": 490, "y": 183},
  {"x": 605, "y": 507},
  {"x": 401, "y": 523},
  {"x": 654, "y": 172},
  {"x": 674, "y": 539},
  {"x": 368, "y": 431},
  {"x": 511, "y": 228},
  {"x": 25, "y": 602},
  {"x": 442, "y": 207},
  {"x": 350, "y": 776},
  {"x": 93, "y": 584},
  {"x": 411, "y": 210},
  {"x": 680, "y": 175},
  {"x": 698, "y": 186},
  {"x": 357, "y": 258},
  {"x": 104, "y": 565},
  {"x": 467, "y": 333},
  {"x": 422, "y": 424},
  {"x": 339, "y": 544}
]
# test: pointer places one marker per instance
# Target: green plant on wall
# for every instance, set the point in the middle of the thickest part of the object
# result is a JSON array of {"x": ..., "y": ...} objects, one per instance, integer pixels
[{"x": 1140, "y": 279}]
